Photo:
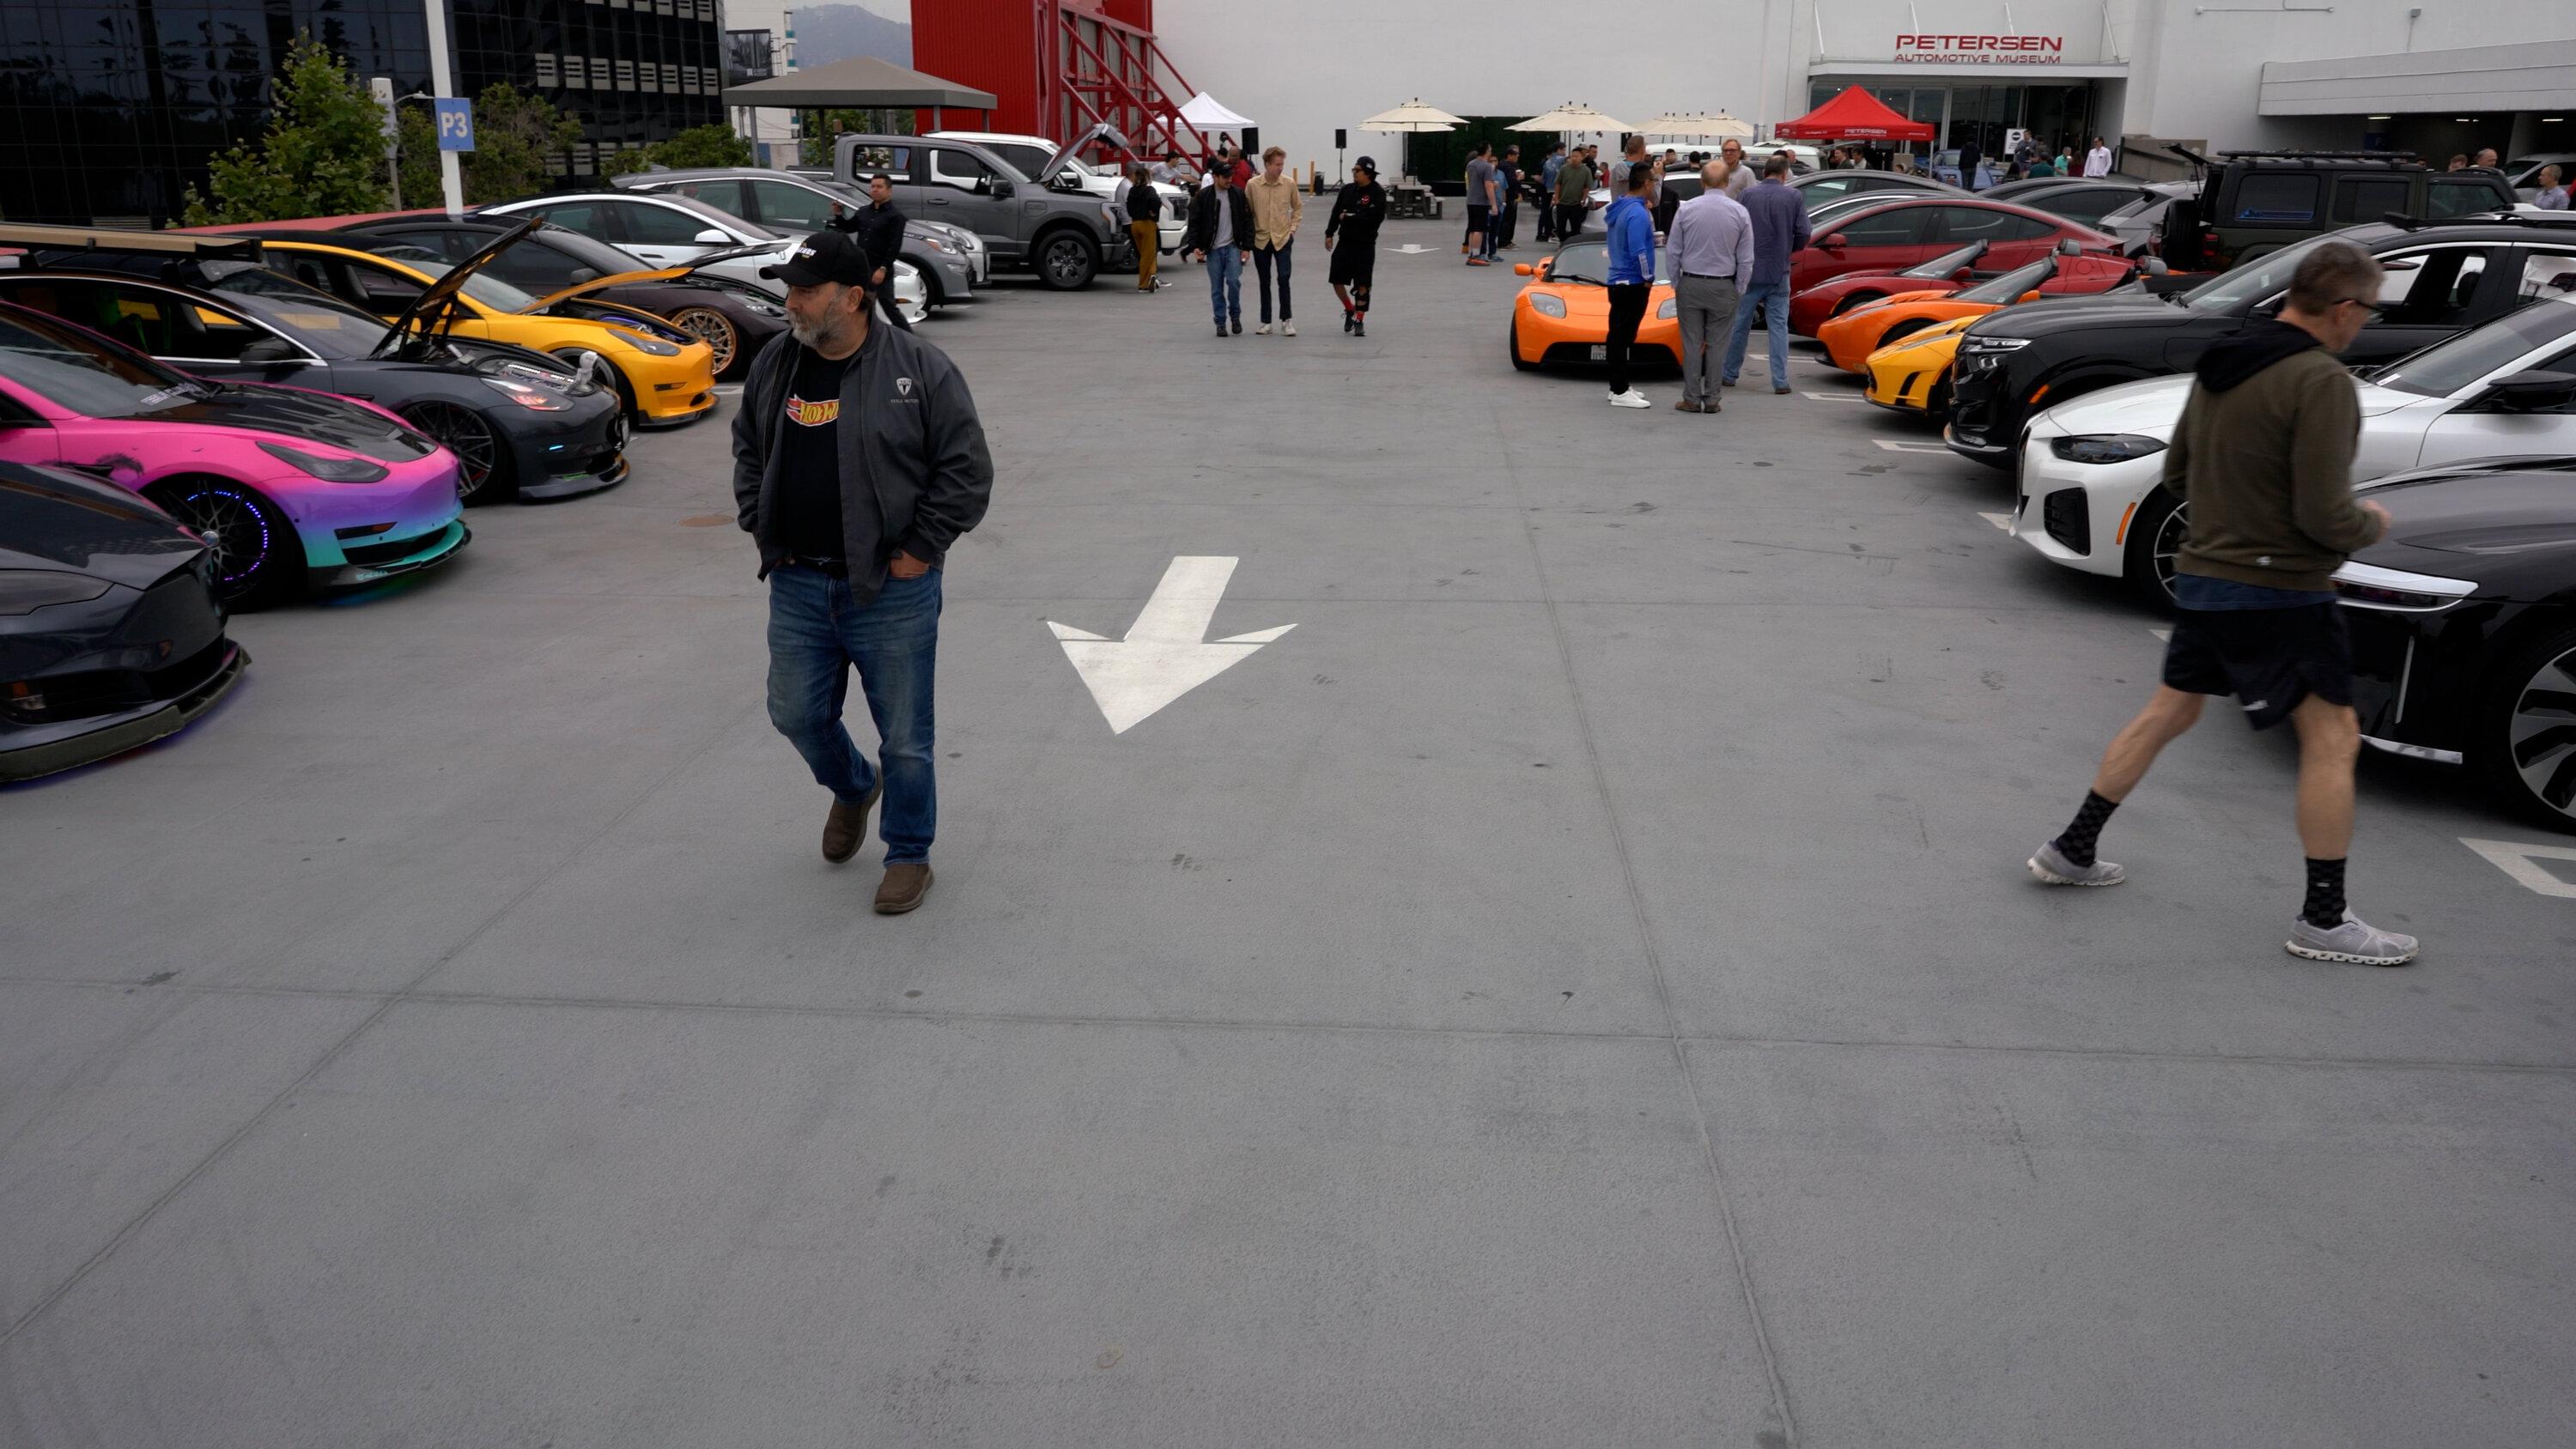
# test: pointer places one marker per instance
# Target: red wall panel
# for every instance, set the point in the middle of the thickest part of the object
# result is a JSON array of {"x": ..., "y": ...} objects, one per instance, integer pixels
[{"x": 991, "y": 45}]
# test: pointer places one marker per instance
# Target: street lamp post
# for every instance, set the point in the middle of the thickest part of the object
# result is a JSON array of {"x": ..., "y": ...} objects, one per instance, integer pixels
[{"x": 442, "y": 84}]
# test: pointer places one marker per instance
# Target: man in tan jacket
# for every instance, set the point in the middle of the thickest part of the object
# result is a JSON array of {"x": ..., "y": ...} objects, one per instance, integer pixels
[
  {"x": 1277, "y": 208},
  {"x": 2263, "y": 459}
]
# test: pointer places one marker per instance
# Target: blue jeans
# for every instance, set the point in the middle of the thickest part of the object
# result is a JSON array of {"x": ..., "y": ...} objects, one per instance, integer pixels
[
  {"x": 1769, "y": 299},
  {"x": 1225, "y": 284},
  {"x": 817, "y": 631}
]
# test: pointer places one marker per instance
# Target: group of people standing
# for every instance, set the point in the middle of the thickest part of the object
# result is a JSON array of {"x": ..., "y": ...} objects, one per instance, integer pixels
[{"x": 1729, "y": 251}]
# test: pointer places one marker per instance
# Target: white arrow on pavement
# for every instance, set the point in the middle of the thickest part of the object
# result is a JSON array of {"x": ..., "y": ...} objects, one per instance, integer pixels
[
  {"x": 1410, "y": 249},
  {"x": 1166, "y": 653}
]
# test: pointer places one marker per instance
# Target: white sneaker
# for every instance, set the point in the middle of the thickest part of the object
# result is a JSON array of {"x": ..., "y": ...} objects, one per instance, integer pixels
[
  {"x": 1287, "y": 329},
  {"x": 1261, "y": 331},
  {"x": 1629, "y": 399},
  {"x": 2354, "y": 940}
]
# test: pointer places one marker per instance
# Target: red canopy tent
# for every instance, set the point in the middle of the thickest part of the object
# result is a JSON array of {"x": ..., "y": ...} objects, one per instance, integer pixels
[{"x": 1855, "y": 115}]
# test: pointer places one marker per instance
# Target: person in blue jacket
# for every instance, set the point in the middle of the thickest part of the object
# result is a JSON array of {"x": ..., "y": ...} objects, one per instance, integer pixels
[{"x": 1632, "y": 278}]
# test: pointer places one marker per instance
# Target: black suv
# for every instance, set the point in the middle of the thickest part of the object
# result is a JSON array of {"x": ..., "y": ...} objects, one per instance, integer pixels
[
  {"x": 2253, "y": 203},
  {"x": 2442, "y": 278}
]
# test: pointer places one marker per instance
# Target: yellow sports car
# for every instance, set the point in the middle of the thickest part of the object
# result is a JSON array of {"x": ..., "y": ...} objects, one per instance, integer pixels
[
  {"x": 666, "y": 375},
  {"x": 1912, "y": 374}
]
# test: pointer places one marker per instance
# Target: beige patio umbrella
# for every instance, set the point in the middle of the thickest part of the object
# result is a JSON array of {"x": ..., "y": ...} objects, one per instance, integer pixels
[
  {"x": 1572, "y": 116},
  {"x": 1699, "y": 124},
  {"x": 1406, "y": 119}
]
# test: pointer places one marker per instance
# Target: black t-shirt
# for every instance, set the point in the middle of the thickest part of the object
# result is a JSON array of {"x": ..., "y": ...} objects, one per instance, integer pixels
[{"x": 809, "y": 459}]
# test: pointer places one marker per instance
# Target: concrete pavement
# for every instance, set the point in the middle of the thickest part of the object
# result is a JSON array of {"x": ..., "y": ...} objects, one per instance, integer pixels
[{"x": 1576, "y": 987}]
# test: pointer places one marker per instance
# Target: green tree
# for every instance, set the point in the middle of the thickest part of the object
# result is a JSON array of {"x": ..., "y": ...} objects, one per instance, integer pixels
[
  {"x": 515, "y": 134},
  {"x": 822, "y": 127},
  {"x": 416, "y": 142},
  {"x": 715, "y": 145},
  {"x": 322, "y": 155}
]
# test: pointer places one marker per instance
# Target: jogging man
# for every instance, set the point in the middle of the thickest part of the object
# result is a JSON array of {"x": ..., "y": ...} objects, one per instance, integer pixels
[
  {"x": 1350, "y": 234},
  {"x": 1632, "y": 279},
  {"x": 2263, "y": 457}
]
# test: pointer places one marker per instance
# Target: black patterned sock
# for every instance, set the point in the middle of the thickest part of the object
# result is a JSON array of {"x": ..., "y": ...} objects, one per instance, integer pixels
[
  {"x": 2077, "y": 843},
  {"x": 2324, "y": 906}
]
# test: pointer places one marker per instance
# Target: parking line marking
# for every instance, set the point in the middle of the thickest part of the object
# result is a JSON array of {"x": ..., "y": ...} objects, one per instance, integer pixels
[
  {"x": 1907, "y": 445},
  {"x": 1999, "y": 520},
  {"x": 1835, "y": 396},
  {"x": 2516, "y": 859}
]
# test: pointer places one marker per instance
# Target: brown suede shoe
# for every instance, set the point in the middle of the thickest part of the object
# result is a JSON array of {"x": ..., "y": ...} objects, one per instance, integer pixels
[
  {"x": 847, "y": 825},
  {"x": 1687, "y": 406},
  {"x": 903, "y": 888}
]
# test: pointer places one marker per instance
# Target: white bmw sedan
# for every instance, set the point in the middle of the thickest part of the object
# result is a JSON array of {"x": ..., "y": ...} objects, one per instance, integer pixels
[{"x": 2092, "y": 496}]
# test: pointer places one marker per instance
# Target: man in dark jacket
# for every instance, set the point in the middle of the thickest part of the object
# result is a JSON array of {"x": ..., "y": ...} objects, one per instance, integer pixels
[
  {"x": 857, "y": 460},
  {"x": 2263, "y": 458},
  {"x": 1350, "y": 234},
  {"x": 878, "y": 229},
  {"x": 1221, "y": 235}
]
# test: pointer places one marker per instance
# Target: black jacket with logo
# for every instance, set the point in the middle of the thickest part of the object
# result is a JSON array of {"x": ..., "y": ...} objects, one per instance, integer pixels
[
  {"x": 1358, "y": 209},
  {"x": 912, "y": 450},
  {"x": 1202, "y": 233},
  {"x": 879, "y": 232}
]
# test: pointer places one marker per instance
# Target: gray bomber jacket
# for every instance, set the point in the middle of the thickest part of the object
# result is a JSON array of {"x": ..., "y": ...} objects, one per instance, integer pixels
[{"x": 916, "y": 456}]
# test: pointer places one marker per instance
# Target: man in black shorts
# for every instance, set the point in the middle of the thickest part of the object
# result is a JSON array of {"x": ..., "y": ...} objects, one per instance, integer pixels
[
  {"x": 1350, "y": 234},
  {"x": 2263, "y": 457}
]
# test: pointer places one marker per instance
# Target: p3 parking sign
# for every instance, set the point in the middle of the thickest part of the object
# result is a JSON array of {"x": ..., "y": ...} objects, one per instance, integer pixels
[{"x": 455, "y": 124}]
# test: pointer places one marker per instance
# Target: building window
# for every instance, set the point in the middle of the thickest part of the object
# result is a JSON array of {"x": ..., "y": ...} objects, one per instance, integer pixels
[
  {"x": 626, "y": 75},
  {"x": 599, "y": 73},
  {"x": 547, "y": 78}
]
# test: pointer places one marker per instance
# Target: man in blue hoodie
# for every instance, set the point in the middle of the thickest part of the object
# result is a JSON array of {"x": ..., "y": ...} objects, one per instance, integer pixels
[{"x": 1632, "y": 279}]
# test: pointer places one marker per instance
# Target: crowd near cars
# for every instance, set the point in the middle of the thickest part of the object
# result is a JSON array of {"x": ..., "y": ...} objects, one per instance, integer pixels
[{"x": 2049, "y": 328}]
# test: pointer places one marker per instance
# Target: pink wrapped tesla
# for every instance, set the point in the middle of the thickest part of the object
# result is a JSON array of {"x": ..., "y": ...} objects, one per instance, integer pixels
[{"x": 292, "y": 489}]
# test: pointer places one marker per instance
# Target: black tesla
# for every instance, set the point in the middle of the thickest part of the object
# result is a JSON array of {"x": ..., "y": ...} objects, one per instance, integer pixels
[
  {"x": 2463, "y": 627},
  {"x": 110, "y": 636}
]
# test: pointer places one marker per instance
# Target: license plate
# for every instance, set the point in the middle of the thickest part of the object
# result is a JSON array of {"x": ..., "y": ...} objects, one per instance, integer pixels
[{"x": 1601, "y": 352}]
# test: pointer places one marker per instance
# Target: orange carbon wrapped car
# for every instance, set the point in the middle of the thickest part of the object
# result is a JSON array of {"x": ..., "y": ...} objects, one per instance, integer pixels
[
  {"x": 1851, "y": 337},
  {"x": 1563, "y": 315}
]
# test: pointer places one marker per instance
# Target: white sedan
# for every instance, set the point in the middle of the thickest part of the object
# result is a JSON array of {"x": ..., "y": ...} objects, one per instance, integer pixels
[{"x": 2092, "y": 495}]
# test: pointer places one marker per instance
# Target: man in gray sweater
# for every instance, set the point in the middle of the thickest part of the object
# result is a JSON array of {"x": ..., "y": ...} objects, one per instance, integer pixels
[{"x": 2263, "y": 459}]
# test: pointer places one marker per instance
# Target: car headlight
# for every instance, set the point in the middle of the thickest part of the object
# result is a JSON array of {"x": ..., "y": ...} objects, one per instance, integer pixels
[
  {"x": 938, "y": 244},
  {"x": 1985, "y": 346},
  {"x": 1547, "y": 304},
  {"x": 1672, "y": 308},
  {"x": 2105, "y": 447},
  {"x": 1110, "y": 214},
  {"x": 649, "y": 346},
  {"x": 536, "y": 399},
  {"x": 331, "y": 470},
  {"x": 2368, "y": 586},
  {"x": 24, "y": 591}
]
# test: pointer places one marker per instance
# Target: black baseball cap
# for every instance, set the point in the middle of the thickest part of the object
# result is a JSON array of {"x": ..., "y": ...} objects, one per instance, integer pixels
[
  {"x": 826, "y": 256},
  {"x": 1367, "y": 164}
]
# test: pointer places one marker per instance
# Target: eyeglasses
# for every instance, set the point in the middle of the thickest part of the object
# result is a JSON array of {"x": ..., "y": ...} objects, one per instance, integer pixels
[{"x": 2375, "y": 309}]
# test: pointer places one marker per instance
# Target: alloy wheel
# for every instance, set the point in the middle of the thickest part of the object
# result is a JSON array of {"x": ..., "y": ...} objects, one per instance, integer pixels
[
  {"x": 2167, "y": 546},
  {"x": 478, "y": 452},
  {"x": 2541, "y": 733},
  {"x": 1068, "y": 263},
  {"x": 712, "y": 328},
  {"x": 239, "y": 531}
]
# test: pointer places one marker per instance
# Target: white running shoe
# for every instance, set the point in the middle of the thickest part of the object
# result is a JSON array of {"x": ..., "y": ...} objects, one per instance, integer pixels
[
  {"x": 1629, "y": 399},
  {"x": 1261, "y": 331},
  {"x": 1287, "y": 329},
  {"x": 2355, "y": 940},
  {"x": 2052, "y": 866}
]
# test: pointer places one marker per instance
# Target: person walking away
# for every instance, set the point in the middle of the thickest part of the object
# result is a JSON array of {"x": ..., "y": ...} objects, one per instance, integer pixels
[
  {"x": 1739, "y": 175},
  {"x": 2263, "y": 458},
  {"x": 1507, "y": 200},
  {"x": 1554, "y": 163},
  {"x": 858, "y": 460},
  {"x": 1779, "y": 229},
  {"x": 1350, "y": 235},
  {"x": 2552, "y": 195},
  {"x": 1632, "y": 279},
  {"x": 1709, "y": 248},
  {"x": 2097, "y": 162},
  {"x": 1220, "y": 233},
  {"x": 1277, "y": 209},
  {"x": 1145, "y": 225},
  {"x": 1573, "y": 196},
  {"x": 878, "y": 229},
  {"x": 1480, "y": 206}
]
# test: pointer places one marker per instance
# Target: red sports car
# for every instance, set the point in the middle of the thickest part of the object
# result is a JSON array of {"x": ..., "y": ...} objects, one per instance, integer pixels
[
  {"x": 1951, "y": 271},
  {"x": 1908, "y": 232}
]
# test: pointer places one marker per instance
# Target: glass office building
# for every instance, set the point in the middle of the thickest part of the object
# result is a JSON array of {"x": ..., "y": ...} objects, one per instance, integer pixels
[{"x": 109, "y": 109}]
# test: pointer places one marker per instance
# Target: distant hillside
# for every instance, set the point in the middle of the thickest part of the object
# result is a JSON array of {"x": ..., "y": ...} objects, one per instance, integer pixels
[{"x": 826, "y": 33}]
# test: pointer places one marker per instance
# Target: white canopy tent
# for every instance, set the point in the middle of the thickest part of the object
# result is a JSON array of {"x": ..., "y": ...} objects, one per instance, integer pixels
[{"x": 1210, "y": 114}]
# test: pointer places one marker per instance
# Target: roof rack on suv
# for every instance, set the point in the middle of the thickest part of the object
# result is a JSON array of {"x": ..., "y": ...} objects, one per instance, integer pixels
[
  {"x": 2321, "y": 155},
  {"x": 2403, "y": 222}
]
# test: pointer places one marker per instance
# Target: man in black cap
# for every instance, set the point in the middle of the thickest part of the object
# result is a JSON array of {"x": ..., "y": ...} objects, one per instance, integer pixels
[
  {"x": 1350, "y": 234},
  {"x": 878, "y": 229},
  {"x": 857, "y": 460}
]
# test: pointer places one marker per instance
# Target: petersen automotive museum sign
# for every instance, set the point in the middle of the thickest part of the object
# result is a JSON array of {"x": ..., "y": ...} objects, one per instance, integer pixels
[{"x": 1980, "y": 49}]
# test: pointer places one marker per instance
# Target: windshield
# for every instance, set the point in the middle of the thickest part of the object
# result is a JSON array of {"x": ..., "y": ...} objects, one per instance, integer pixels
[
  {"x": 483, "y": 287},
  {"x": 71, "y": 369},
  {"x": 1026, "y": 159},
  {"x": 2254, "y": 281},
  {"x": 1948, "y": 262},
  {"x": 580, "y": 250},
  {"x": 2446, "y": 368},
  {"x": 1590, "y": 262},
  {"x": 2007, "y": 289},
  {"x": 317, "y": 319}
]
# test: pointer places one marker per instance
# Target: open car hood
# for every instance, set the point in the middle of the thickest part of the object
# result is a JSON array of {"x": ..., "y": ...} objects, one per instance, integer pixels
[
  {"x": 647, "y": 274},
  {"x": 1102, "y": 132},
  {"x": 438, "y": 307}
]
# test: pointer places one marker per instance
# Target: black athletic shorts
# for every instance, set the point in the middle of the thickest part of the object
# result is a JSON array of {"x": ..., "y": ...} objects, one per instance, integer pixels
[
  {"x": 1354, "y": 261},
  {"x": 2270, "y": 659}
]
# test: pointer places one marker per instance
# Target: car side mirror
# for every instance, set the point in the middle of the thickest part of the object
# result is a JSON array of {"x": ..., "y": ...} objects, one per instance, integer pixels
[
  {"x": 2032, "y": 295},
  {"x": 1524, "y": 269},
  {"x": 1000, "y": 187},
  {"x": 2070, "y": 247},
  {"x": 584, "y": 274},
  {"x": 1832, "y": 243},
  {"x": 1964, "y": 275},
  {"x": 2529, "y": 392},
  {"x": 271, "y": 349},
  {"x": 712, "y": 237},
  {"x": 2155, "y": 267}
]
